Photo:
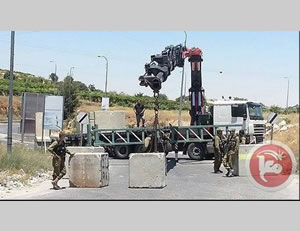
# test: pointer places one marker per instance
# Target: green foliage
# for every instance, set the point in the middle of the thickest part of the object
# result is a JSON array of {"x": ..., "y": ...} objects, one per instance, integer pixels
[
  {"x": 184, "y": 98},
  {"x": 75, "y": 90},
  {"x": 140, "y": 94},
  {"x": 7, "y": 75},
  {"x": 80, "y": 86},
  {"x": 163, "y": 97},
  {"x": 125, "y": 100},
  {"x": 275, "y": 109},
  {"x": 91, "y": 87},
  {"x": 53, "y": 77},
  {"x": 69, "y": 90}
]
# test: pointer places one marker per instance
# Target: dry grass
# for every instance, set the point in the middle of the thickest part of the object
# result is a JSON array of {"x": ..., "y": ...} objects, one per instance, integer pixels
[
  {"x": 289, "y": 137},
  {"x": 165, "y": 117},
  {"x": 22, "y": 158},
  {"x": 4, "y": 107}
]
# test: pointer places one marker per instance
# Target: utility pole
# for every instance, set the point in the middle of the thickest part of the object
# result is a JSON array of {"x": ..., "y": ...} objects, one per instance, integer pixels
[
  {"x": 287, "y": 93},
  {"x": 71, "y": 71},
  {"x": 11, "y": 85},
  {"x": 102, "y": 56},
  {"x": 181, "y": 90},
  {"x": 55, "y": 70}
]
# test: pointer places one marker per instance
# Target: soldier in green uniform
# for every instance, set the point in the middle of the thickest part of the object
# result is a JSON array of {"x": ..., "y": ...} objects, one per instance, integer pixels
[
  {"x": 218, "y": 150},
  {"x": 232, "y": 152},
  {"x": 58, "y": 150},
  {"x": 242, "y": 137}
]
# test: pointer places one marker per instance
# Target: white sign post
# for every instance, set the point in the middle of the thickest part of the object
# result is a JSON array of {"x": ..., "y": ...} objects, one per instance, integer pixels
[
  {"x": 53, "y": 114},
  {"x": 105, "y": 103},
  {"x": 54, "y": 108},
  {"x": 273, "y": 118}
]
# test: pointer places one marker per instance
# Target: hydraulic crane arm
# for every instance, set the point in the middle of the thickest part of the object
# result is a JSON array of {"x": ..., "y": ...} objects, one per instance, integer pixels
[{"x": 161, "y": 66}]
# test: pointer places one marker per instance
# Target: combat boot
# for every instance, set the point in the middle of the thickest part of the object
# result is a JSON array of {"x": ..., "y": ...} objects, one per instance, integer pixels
[{"x": 228, "y": 172}]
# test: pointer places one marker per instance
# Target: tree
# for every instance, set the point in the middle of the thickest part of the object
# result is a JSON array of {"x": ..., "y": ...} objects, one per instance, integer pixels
[
  {"x": 80, "y": 86},
  {"x": 140, "y": 94},
  {"x": 7, "y": 75},
  {"x": 275, "y": 109},
  {"x": 53, "y": 77},
  {"x": 69, "y": 90},
  {"x": 163, "y": 97},
  {"x": 91, "y": 87},
  {"x": 184, "y": 99}
]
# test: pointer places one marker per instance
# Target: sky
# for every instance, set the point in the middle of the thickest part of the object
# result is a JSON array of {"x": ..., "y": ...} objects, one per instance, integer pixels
[{"x": 253, "y": 64}]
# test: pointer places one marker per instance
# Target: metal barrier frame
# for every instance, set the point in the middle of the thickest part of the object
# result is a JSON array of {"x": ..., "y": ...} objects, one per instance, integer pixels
[{"x": 182, "y": 134}]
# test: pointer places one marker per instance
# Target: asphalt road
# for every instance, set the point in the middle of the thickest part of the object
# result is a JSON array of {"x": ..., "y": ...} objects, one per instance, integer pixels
[
  {"x": 186, "y": 180},
  {"x": 28, "y": 138}
]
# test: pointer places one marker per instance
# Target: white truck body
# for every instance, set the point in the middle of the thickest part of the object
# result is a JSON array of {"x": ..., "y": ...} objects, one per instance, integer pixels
[{"x": 240, "y": 112}]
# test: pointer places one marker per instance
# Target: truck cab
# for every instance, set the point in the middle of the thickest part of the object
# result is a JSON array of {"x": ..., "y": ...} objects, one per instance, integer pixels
[{"x": 248, "y": 113}]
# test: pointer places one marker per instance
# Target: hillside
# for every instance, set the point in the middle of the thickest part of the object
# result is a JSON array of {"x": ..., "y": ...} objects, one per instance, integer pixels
[{"x": 24, "y": 82}]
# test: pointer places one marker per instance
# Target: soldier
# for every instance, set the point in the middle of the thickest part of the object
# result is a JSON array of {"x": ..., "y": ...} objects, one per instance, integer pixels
[
  {"x": 242, "y": 137},
  {"x": 218, "y": 150},
  {"x": 58, "y": 151},
  {"x": 139, "y": 110},
  {"x": 232, "y": 152}
]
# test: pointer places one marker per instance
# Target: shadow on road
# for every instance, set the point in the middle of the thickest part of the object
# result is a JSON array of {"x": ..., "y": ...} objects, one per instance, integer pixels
[{"x": 171, "y": 163}]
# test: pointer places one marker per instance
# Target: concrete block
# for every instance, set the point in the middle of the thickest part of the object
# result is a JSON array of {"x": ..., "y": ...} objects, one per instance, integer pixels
[
  {"x": 110, "y": 119},
  {"x": 89, "y": 170},
  {"x": 79, "y": 149},
  {"x": 147, "y": 170},
  {"x": 240, "y": 168},
  {"x": 85, "y": 149},
  {"x": 39, "y": 129}
]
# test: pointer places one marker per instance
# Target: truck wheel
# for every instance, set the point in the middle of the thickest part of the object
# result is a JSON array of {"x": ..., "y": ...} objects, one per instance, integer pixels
[
  {"x": 139, "y": 149},
  {"x": 194, "y": 151},
  {"x": 121, "y": 151}
]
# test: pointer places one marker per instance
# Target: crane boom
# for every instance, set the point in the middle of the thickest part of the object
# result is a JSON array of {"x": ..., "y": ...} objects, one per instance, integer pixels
[{"x": 161, "y": 66}]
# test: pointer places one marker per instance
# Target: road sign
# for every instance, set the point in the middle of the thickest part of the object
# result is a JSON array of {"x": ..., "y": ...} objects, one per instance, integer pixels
[
  {"x": 54, "y": 107},
  {"x": 82, "y": 119},
  {"x": 105, "y": 103},
  {"x": 273, "y": 118}
]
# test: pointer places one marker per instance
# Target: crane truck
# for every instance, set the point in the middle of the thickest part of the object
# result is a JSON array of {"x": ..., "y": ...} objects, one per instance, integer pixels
[{"x": 197, "y": 138}]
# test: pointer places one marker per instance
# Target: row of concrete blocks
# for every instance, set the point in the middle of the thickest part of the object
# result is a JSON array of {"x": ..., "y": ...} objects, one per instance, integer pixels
[{"x": 90, "y": 168}]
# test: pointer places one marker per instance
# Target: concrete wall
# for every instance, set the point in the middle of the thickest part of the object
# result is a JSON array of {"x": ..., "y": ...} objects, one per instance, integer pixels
[
  {"x": 109, "y": 119},
  {"x": 89, "y": 170},
  {"x": 147, "y": 170},
  {"x": 74, "y": 149}
]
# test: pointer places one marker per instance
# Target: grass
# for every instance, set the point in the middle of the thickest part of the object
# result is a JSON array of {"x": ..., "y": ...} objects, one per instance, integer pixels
[{"x": 23, "y": 159}]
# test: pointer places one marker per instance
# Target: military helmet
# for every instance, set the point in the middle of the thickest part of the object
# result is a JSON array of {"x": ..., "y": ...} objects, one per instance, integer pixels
[
  {"x": 219, "y": 130},
  {"x": 232, "y": 130},
  {"x": 61, "y": 134}
]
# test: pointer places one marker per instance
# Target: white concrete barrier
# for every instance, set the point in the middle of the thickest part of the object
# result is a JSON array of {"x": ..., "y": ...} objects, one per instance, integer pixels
[
  {"x": 80, "y": 149},
  {"x": 244, "y": 154},
  {"x": 147, "y": 170},
  {"x": 109, "y": 119},
  {"x": 89, "y": 170}
]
